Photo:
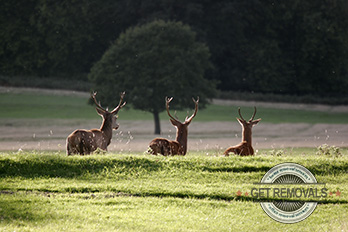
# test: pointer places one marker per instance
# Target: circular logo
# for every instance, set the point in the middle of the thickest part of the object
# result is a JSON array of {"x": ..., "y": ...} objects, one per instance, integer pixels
[{"x": 288, "y": 211}]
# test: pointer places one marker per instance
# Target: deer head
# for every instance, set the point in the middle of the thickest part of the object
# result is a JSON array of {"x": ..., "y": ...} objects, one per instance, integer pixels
[
  {"x": 109, "y": 118},
  {"x": 181, "y": 128},
  {"x": 247, "y": 125}
]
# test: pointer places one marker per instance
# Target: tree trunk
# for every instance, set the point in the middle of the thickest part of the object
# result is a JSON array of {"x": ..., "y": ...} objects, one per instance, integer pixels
[{"x": 157, "y": 123}]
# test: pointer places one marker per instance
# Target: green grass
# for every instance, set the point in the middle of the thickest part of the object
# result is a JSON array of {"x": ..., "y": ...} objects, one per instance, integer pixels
[
  {"x": 42, "y": 191},
  {"x": 36, "y": 106}
]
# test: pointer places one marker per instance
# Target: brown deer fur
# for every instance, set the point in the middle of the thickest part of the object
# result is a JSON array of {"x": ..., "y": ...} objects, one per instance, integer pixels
[
  {"x": 86, "y": 141},
  {"x": 179, "y": 146},
  {"x": 245, "y": 147}
]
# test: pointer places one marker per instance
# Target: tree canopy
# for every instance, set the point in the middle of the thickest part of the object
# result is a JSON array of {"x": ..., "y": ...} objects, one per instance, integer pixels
[
  {"x": 294, "y": 47},
  {"x": 153, "y": 61}
]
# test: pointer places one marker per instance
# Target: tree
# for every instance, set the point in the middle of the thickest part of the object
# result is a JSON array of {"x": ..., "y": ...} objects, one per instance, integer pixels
[
  {"x": 151, "y": 62},
  {"x": 19, "y": 39}
]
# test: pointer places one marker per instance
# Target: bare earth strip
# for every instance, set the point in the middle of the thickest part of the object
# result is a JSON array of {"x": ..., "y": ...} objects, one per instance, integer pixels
[{"x": 134, "y": 136}]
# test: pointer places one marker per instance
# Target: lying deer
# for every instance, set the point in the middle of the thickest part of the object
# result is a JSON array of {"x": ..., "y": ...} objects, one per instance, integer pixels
[
  {"x": 179, "y": 145},
  {"x": 86, "y": 141},
  {"x": 245, "y": 147}
]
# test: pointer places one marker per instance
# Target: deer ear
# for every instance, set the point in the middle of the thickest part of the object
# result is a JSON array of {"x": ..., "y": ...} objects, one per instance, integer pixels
[
  {"x": 256, "y": 121},
  {"x": 100, "y": 111},
  {"x": 240, "y": 121},
  {"x": 175, "y": 123}
]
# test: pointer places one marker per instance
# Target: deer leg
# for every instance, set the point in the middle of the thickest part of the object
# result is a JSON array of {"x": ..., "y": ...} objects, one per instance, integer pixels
[
  {"x": 241, "y": 152},
  {"x": 81, "y": 147},
  {"x": 229, "y": 150},
  {"x": 152, "y": 149},
  {"x": 68, "y": 151},
  {"x": 165, "y": 151},
  {"x": 250, "y": 151},
  {"x": 244, "y": 152},
  {"x": 181, "y": 151},
  {"x": 171, "y": 150},
  {"x": 70, "y": 146}
]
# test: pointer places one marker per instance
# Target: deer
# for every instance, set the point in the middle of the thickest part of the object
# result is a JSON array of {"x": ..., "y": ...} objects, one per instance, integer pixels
[
  {"x": 84, "y": 142},
  {"x": 244, "y": 148},
  {"x": 179, "y": 145}
]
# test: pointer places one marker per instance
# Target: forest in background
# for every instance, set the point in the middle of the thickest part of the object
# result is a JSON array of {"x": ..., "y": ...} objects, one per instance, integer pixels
[{"x": 260, "y": 46}]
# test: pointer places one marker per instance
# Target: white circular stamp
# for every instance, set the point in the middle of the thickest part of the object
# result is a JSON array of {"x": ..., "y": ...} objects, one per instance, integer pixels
[{"x": 288, "y": 211}]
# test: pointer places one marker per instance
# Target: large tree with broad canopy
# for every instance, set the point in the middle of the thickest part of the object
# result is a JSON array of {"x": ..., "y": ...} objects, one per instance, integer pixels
[{"x": 152, "y": 61}]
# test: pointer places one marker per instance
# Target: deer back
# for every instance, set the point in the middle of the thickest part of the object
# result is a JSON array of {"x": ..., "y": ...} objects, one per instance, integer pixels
[
  {"x": 242, "y": 149},
  {"x": 86, "y": 141},
  {"x": 165, "y": 147}
]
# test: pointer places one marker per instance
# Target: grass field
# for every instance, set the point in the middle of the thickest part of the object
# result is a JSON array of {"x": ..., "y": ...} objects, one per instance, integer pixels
[
  {"x": 49, "y": 191},
  {"x": 35, "y": 105}
]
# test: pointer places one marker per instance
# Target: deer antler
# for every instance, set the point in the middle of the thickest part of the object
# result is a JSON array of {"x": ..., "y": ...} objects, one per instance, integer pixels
[
  {"x": 188, "y": 120},
  {"x": 252, "y": 117},
  {"x": 117, "y": 108},
  {"x": 95, "y": 101},
  {"x": 168, "y": 100},
  {"x": 240, "y": 114}
]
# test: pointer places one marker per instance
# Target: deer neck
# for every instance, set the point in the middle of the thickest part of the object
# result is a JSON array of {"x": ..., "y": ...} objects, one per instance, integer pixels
[
  {"x": 106, "y": 128},
  {"x": 246, "y": 135},
  {"x": 181, "y": 138}
]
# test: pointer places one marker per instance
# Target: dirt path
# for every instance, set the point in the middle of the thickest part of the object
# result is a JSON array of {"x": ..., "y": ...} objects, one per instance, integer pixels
[{"x": 134, "y": 136}]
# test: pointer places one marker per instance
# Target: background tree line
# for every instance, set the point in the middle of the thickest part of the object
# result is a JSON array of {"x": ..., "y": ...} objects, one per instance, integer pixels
[{"x": 283, "y": 47}]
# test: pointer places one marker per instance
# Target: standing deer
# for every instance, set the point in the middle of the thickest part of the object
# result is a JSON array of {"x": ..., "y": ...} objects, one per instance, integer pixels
[
  {"x": 245, "y": 147},
  {"x": 179, "y": 145},
  {"x": 86, "y": 141}
]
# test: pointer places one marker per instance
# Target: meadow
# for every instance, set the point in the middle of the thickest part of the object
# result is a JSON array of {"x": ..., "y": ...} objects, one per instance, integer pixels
[
  {"x": 133, "y": 191},
  {"x": 49, "y": 191},
  {"x": 35, "y": 105}
]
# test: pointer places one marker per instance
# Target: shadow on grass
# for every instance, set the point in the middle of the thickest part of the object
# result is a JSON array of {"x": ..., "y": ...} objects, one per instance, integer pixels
[
  {"x": 229, "y": 197},
  {"x": 21, "y": 209},
  {"x": 329, "y": 168},
  {"x": 49, "y": 166},
  {"x": 238, "y": 169},
  {"x": 33, "y": 166}
]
